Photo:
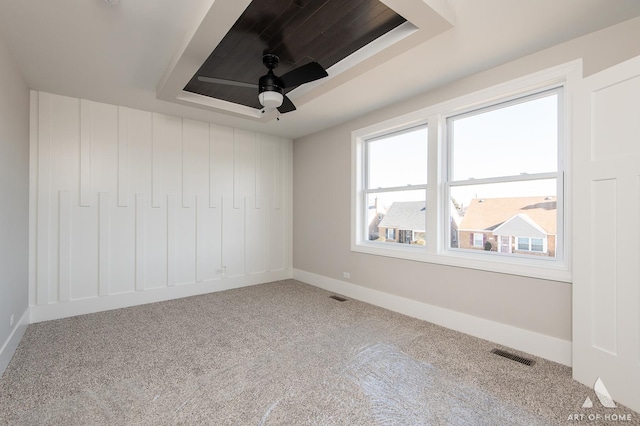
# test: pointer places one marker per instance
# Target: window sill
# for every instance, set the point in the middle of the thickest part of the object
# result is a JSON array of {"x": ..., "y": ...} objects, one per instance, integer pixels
[{"x": 541, "y": 268}]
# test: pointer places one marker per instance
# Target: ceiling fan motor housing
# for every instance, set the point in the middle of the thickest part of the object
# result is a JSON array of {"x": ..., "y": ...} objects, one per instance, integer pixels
[{"x": 270, "y": 83}]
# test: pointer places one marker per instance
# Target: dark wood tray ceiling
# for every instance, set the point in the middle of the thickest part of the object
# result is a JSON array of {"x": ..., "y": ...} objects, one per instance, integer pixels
[{"x": 299, "y": 32}]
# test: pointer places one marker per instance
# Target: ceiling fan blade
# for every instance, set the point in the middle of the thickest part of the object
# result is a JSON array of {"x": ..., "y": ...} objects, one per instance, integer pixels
[
  {"x": 304, "y": 74},
  {"x": 226, "y": 82},
  {"x": 287, "y": 105}
]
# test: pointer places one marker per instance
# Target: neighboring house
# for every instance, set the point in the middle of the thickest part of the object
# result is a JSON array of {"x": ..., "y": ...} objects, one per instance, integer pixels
[
  {"x": 455, "y": 218},
  {"x": 404, "y": 222},
  {"x": 525, "y": 225},
  {"x": 375, "y": 217}
]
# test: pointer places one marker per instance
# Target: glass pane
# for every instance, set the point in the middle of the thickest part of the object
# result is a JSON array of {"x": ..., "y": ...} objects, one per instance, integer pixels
[
  {"x": 517, "y": 139},
  {"x": 514, "y": 218},
  {"x": 523, "y": 243},
  {"x": 399, "y": 159},
  {"x": 397, "y": 217},
  {"x": 537, "y": 244}
]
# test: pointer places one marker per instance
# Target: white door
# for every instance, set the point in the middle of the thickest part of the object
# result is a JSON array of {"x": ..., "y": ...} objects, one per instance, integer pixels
[
  {"x": 606, "y": 232},
  {"x": 505, "y": 244}
]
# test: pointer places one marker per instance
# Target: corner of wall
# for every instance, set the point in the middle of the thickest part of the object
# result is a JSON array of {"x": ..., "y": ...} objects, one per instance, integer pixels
[{"x": 9, "y": 347}]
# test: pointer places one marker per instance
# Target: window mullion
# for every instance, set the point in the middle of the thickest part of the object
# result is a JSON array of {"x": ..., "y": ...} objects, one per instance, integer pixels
[{"x": 433, "y": 199}]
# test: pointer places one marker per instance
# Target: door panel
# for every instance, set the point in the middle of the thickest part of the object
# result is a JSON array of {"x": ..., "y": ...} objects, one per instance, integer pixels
[{"x": 606, "y": 232}]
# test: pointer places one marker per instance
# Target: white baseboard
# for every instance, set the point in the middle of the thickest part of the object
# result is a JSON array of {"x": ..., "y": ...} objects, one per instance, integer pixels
[
  {"x": 11, "y": 344},
  {"x": 548, "y": 347},
  {"x": 124, "y": 300}
]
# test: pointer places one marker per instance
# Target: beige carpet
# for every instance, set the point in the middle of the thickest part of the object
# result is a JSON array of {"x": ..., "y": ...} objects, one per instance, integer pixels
[{"x": 282, "y": 353}]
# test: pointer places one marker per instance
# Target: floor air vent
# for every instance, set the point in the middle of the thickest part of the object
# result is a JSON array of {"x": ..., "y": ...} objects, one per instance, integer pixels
[
  {"x": 513, "y": 357},
  {"x": 338, "y": 298}
]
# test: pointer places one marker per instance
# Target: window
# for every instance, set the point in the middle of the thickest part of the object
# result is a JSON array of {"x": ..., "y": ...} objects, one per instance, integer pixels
[
  {"x": 484, "y": 188},
  {"x": 406, "y": 237},
  {"x": 531, "y": 244},
  {"x": 503, "y": 171},
  {"x": 523, "y": 243},
  {"x": 395, "y": 184},
  {"x": 537, "y": 244}
]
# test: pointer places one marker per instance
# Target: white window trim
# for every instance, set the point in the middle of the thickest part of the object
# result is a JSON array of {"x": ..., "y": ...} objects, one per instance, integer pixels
[{"x": 435, "y": 251}]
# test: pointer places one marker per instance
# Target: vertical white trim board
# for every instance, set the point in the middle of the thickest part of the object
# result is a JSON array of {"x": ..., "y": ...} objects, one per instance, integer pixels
[
  {"x": 548, "y": 347},
  {"x": 9, "y": 347}
]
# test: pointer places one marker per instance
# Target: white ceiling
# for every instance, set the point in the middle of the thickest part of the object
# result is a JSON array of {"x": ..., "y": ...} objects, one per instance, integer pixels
[{"x": 131, "y": 53}]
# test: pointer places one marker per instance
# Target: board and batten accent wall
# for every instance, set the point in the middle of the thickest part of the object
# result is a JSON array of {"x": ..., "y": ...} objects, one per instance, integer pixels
[{"x": 132, "y": 207}]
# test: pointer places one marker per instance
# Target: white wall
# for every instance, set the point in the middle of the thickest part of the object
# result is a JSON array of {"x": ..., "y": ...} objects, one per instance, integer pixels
[
  {"x": 322, "y": 180},
  {"x": 134, "y": 207},
  {"x": 14, "y": 207}
]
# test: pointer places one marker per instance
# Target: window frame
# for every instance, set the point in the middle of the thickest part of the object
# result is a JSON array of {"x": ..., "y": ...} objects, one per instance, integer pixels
[
  {"x": 559, "y": 175},
  {"x": 364, "y": 189},
  {"x": 437, "y": 231}
]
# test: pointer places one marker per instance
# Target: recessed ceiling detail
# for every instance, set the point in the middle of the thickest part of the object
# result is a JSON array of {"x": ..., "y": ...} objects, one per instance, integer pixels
[
  {"x": 349, "y": 38},
  {"x": 298, "y": 32}
]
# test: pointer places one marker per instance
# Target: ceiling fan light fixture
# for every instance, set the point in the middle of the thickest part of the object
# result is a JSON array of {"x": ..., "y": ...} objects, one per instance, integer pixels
[
  {"x": 271, "y": 87},
  {"x": 270, "y": 99}
]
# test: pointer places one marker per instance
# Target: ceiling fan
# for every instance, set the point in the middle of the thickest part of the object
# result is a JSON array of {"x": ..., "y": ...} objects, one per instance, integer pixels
[{"x": 271, "y": 87}]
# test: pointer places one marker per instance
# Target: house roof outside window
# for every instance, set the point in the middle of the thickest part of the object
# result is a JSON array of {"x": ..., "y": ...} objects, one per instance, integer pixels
[
  {"x": 405, "y": 215},
  {"x": 491, "y": 214}
]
